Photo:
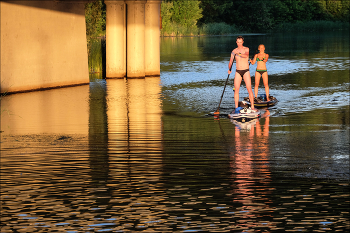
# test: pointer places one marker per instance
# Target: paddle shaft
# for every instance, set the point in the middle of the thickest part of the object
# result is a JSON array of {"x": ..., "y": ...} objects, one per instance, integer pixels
[{"x": 222, "y": 95}]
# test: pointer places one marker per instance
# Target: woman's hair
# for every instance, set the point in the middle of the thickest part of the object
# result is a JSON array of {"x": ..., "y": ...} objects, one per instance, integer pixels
[{"x": 261, "y": 45}]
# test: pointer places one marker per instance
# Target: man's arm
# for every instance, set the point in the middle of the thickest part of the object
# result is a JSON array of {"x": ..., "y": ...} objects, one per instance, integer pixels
[
  {"x": 230, "y": 64},
  {"x": 245, "y": 54}
]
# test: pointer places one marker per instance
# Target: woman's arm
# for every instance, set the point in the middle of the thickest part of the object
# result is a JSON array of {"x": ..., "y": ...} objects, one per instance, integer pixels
[
  {"x": 254, "y": 59},
  {"x": 266, "y": 58}
]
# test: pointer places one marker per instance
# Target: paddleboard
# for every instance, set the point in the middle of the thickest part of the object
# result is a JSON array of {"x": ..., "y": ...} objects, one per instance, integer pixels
[
  {"x": 261, "y": 101},
  {"x": 244, "y": 114},
  {"x": 245, "y": 125}
]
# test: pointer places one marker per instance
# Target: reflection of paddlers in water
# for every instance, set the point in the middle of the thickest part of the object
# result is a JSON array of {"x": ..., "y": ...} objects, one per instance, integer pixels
[
  {"x": 261, "y": 71},
  {"x": 241, "y": 54}
]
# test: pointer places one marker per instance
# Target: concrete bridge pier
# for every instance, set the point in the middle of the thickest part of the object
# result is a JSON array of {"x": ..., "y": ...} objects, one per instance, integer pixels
[
  {"x": 152, "y": 38},
  {"x": 133, "y": 38},
  {"x": 115, "y": 39}
]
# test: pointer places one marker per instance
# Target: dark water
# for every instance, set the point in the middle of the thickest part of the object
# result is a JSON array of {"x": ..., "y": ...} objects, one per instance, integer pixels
[{"x": 147, "y": 155}]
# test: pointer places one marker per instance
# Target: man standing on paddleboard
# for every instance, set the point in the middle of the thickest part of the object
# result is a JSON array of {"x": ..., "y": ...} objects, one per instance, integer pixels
[{"x": 241, "y": 54}]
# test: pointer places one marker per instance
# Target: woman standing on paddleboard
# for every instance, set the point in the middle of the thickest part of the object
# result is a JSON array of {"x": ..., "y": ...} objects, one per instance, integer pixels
[{"x": 261, "y": 71}]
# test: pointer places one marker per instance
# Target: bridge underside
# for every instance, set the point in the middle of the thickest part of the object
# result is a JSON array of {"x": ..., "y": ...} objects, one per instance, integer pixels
[{"x": 43, "y": 45}]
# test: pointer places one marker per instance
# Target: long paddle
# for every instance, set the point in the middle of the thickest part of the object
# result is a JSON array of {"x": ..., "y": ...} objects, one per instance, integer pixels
[{"x": 217, "y": 112}]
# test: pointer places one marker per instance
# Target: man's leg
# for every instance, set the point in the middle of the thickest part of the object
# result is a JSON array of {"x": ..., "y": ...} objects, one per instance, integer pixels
[
  {"x": 248, "y": 84},
  {"x": 237, "y": 83}
]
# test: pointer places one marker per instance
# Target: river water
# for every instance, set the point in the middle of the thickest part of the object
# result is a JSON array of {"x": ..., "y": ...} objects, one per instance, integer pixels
[{"x": 147, "y": 154}]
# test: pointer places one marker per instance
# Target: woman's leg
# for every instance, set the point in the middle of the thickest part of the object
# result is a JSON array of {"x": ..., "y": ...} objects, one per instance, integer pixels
[
  {"x": 257, "y": 81},
  {"x": 266, "y": 84}
]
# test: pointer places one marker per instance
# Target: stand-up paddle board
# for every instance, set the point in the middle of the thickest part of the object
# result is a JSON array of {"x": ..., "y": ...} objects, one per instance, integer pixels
[
  {"x": 261, "y": 101},
  {"x": 244, "y": 114},
  {"x": 245, "y": 125}
]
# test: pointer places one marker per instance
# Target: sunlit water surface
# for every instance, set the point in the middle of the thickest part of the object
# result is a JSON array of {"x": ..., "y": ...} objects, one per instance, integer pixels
[{"x": 147, "y": 154}]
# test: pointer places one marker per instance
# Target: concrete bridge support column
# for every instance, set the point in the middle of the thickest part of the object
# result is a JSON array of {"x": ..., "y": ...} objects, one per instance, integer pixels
[
  {"x": 135, "y": 39},
  {"x": 152, "y": 38},
  {"x": 115, "y": 39}
]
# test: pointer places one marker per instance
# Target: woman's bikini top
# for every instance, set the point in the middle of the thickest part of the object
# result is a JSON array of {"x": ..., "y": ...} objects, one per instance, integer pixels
[{"x": 258, "y": 59}]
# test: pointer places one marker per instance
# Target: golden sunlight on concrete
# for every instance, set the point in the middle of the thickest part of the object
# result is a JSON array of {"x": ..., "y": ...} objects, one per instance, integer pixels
[
  {"x": 43, "y": 45},
  {"x": 115, "y": 39},
  {"x": 135, "y": 39},
  {"x": 152, "y": 38},
  {"x": 57, "y": 111},
  {"x": 132, "y": 34}
]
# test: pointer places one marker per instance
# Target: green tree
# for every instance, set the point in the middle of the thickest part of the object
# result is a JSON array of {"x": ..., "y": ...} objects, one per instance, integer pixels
[
  {"x": 336, "y": 9},
  {"x": 186, "y": 12},
  {"x": 95, "y": 17},
  {"x": 259, "y": 16},
  {"x": 179, "y": 16},
  {"x": 166, "y": 12},
  {"x": 252, "y": 15},
  {"x": 262, "y": 15},
  {"x": 215, "y": 11}
]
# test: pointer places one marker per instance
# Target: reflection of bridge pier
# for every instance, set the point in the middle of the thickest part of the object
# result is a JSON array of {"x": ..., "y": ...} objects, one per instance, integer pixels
[
  {"x": 134, "y": 113},
  {"x": 134, "y": 132}
]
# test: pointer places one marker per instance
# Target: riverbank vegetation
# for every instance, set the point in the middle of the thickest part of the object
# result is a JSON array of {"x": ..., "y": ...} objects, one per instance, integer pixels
[
  {"x": 251, "y": 16},
  {"x": 227, "y": 17},
  {"x": 213, "y": 17},
  {"x": 95, "y": 18}
]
